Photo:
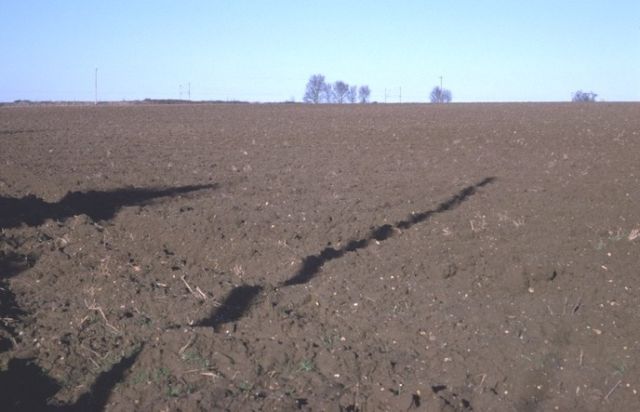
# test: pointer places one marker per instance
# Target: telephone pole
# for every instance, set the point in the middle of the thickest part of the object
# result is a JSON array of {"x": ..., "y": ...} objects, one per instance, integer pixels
[{"x": 95, "y": 87}]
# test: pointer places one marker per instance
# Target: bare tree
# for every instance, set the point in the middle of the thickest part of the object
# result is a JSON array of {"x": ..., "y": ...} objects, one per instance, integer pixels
[
  {"x": 581, "y": 96},
  {"x": 352, "y": 94},
  {"x": 319, "y": 91},
  {"x": 315, "y": 87},
  {"x": 340, "y": 90},
  {"x": 440, "y": 95},
  {"x": 327, "y": 94},
  {"x": 363, "y": 94}
]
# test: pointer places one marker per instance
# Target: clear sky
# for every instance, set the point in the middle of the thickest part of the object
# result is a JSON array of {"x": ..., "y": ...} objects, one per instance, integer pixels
[{"x": 490, "y": 50}]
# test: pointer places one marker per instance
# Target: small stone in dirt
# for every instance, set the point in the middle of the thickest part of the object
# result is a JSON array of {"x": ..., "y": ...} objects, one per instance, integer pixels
[
  {"x": 543, "y": 273},
  {"x": 449, "y": 271}
]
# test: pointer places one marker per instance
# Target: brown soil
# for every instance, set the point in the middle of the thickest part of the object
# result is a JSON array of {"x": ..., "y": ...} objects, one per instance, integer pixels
[{"x": 467, "y": 257}]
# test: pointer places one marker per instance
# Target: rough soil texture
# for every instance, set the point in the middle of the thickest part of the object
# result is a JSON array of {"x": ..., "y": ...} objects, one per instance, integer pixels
[{"x": 468, "y": 257}]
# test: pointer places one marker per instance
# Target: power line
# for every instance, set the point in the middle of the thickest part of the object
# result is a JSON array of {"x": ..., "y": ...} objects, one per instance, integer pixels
[{"x": 391, "y": 93}]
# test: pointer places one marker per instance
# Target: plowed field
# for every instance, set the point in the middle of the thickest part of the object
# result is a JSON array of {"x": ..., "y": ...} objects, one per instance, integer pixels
[{"x": 462, "y": 257}]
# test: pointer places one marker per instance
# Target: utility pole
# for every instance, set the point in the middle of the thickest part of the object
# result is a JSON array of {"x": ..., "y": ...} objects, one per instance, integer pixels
[
  {"x": 189, "y": 91},
  {"x": 95, "y": 87},
  {"x": 385, "y": 95},
  {"x": 400, "y": 94}
]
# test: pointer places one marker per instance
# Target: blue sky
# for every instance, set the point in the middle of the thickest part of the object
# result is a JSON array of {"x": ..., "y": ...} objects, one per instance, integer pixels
[{"x": 266, "y": 50}]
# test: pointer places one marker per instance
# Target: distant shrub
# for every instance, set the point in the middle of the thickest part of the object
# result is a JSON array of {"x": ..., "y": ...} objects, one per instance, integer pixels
[
  {"x": 440, "y": 95},
  {"x": 581, "y": 96},
  {"x": 364, "y": 93}
]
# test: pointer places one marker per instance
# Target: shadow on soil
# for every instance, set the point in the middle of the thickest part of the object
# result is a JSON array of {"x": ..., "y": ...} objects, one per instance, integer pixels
[
  {"x": 11, "y": 264},
  {"x": 12, "y": 132},
  {"x": 311, "y": 265},
  {"x": 25, "y": 387},
  {"x": 241, "y": 298},
  {"x": 33, "y": 211},
  {"x": 98, "y": 205},
  {"x": 9, "y": 314},
  {"x": 450, "y": 400},
  {"x": 233, "y": 307}
]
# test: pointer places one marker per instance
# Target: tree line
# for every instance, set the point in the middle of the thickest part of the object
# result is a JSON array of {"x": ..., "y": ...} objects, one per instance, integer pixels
[{"x": 319, "y": 91}]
